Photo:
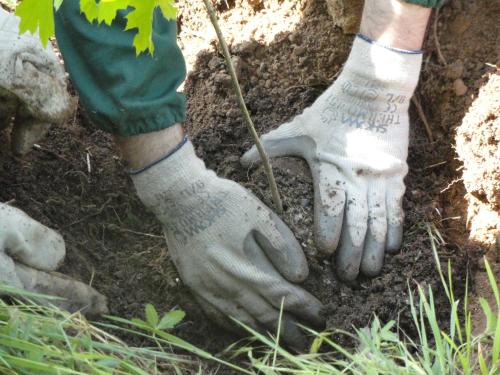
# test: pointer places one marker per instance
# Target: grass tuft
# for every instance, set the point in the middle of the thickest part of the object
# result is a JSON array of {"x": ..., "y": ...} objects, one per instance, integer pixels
[{"x": 38, "y": 339}]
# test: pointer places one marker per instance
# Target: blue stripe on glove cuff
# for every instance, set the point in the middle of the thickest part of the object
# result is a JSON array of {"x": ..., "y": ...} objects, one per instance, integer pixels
[
  {"x": 399, "y": 50},
  {"x": 134, "y": 172}
]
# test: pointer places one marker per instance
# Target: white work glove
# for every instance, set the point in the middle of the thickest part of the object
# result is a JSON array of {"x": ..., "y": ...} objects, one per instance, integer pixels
[
  {"x": 355, "y": 140},
  {"x": 29, "y": 252},
  {"x": 238, "y": 258},
  {"x": 33, "y": 85}
]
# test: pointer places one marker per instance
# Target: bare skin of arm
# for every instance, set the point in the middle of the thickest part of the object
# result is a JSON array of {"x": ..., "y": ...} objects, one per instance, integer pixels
[
  {"x": 395, "y": 23},
  {"x": 143, "y": 149}
]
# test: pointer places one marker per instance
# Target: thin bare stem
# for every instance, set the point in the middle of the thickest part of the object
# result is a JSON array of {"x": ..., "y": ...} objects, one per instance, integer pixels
[
  {"x": 423, "y": 117},
  {"x": 441, "y": 58},
  {"x": 246, "y": 115}
]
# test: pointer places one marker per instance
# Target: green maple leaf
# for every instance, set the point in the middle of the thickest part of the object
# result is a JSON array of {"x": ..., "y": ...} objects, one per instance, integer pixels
[
  {"x": 107, "y": 10},
  {"x": 168, "y": 9},
  {"x": 141, "y": 18},
  {"x": 37, "y": 15},
  {"x": 90, "y": 9}
]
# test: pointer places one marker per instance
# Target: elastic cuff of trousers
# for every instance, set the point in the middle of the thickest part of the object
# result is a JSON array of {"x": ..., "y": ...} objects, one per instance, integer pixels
[
  {"x": 134, "y": 172},
  {"x": 426, "y": 3},
  {"x": 399, "y": 50},
  {"x": 135, "y": 126}
]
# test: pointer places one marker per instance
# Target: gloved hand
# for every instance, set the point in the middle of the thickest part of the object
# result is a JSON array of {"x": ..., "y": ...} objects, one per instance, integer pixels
[
  {"x": 29, "y": 252},
  {"x": 238, "y": 258},
  {"x": 33, "y": 85},
  {"x": 355, "y": 140}
]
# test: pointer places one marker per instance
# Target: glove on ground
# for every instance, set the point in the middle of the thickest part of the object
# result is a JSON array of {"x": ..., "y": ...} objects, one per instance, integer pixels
[{"x": 29, "y": 252}]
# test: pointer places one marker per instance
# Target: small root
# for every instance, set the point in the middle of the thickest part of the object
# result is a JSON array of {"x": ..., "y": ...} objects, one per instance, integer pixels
[
  {"x": 441, "y": 58},
  {"x": 422, "y": 116}
]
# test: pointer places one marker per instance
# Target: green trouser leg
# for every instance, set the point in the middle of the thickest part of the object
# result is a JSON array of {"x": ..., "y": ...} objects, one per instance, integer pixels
[
  {"x": 427, "y": 3},
  {"x": 123, "y": 94}
]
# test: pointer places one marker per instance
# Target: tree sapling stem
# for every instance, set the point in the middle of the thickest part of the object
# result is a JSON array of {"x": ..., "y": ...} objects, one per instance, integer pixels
[{"x": 246, "y": 115}]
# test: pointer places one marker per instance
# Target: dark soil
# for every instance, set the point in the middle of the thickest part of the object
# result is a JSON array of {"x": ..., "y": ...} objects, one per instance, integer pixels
[{"x": 117, "y": 246}]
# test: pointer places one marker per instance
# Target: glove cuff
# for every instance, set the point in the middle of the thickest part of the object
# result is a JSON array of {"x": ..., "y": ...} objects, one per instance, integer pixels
[
  {"x": 133, "y": 172},
  {"x": 395, "y": 70},
  {"x": 399, "y": 50},
  {"x": 173, "y": 177}
]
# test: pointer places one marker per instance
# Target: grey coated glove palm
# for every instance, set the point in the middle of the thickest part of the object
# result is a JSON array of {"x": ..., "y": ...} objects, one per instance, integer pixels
[
  {"x": 238, "y": 258},
  {"x": 30, "y": 252},
  {"x": 355, "y": 140},
  {"x": 33, "y": 85}
]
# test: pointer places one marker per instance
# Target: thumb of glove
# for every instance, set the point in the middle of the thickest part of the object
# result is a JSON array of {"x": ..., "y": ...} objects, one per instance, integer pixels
[
  {"x": 286, "y": 140},
  {"x": 28, "y": 241}
]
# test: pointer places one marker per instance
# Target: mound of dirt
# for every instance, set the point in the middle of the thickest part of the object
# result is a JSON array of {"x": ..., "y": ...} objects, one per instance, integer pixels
[{"x": 478, "y": 147}]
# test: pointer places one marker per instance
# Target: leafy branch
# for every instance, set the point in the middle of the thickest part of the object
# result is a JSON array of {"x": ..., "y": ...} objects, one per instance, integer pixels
[
  {"x": 248, "y": 120},
  {"x": 38, "y": 15}
]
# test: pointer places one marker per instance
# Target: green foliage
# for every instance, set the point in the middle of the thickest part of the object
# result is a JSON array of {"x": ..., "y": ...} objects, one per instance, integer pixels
[
  {"x": 38, "y": 15},
  {"x": 141, "y": 19},
  {"x": 45, "y": 340}
]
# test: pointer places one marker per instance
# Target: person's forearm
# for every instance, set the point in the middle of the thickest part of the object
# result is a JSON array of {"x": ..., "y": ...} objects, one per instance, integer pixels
[
  {"x": 142, "y": 150},
  {"x": 395, "y": 23}
]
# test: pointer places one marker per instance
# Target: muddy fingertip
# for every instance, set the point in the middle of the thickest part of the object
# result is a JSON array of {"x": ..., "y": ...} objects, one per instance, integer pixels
[{"x": 394, "y": 238}]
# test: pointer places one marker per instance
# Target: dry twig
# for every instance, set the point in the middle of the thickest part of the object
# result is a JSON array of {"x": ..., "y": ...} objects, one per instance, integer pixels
[
  {"x": 422, "y": 116},
  {"x": 246, "y": 115},
  {"x": 441, "y": 58},
  {"x": 99, "y": 211}
]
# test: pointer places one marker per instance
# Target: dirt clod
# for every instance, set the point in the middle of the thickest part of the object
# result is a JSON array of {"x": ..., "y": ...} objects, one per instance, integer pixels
[
  {"x": 346, "y": 14},
  {"x": 455, "y": 70},
  {"x": 459, "y": 87}
]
